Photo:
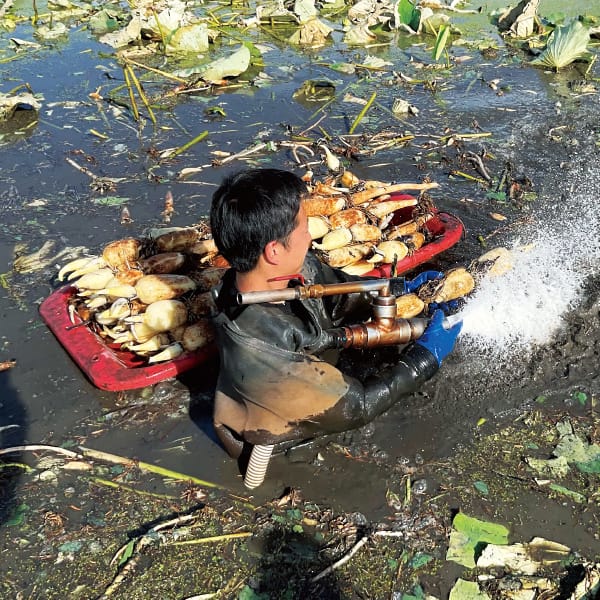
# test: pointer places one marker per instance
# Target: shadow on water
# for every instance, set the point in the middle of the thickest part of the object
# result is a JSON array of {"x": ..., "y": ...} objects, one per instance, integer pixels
[
  {"x": 13, "y": 430},
  {"x": 201, "y": 385}
]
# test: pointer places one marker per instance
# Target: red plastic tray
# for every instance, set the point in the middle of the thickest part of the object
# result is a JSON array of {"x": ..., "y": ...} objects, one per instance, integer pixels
[
  {"x": 109, "y": 368},
  {"x": 445, "y": 228},
  {"x": 112, "y": 369}
]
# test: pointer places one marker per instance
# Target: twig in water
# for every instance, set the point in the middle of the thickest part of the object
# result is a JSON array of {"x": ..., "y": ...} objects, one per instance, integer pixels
[
  {"x": 160, "y": 30},
  {"x": 19, "y": 465},
  {"x": 342, "y": 560},
  {"x": 467, "y": 176},
  {"x": 477, "y": 161},
  {"x": 353, "y": 551},
  {"x": 37, "y": 448},
  {"x": 247, "y": 152},
  {"x": 305, "y": 131},
  {"x": 84, "y": 170},
  {"x": 137, "y": 545}
]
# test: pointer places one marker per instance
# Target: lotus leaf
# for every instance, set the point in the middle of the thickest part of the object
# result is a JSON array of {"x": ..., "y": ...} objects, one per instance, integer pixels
[
  {"x": 565, "y": 45},
  {"x": 227, "y": 66},
  {"x": 469, "y": 535},
  {"x": 312, "y": 33},
  {"x": 467, "y": 590},
  {"x": 190, "y": 38}
]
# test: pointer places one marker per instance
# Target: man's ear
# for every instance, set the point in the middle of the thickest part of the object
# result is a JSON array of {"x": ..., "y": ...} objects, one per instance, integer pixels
[{"x": 271, "y": 252}]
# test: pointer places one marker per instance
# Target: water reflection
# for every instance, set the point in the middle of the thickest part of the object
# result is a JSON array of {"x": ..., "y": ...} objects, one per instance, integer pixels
[{"x": 21, "y": 125}]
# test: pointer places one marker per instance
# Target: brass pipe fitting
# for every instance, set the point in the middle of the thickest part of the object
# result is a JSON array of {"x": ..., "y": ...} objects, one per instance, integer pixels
[{"x": 384, "y": 333}]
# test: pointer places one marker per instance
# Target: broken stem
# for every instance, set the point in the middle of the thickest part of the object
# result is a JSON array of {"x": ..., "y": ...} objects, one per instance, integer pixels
[
  {"x": 353, "y": 551},
  {"x": 114, "y": 484},
  {"x": 121, "y": 460},
  {"x": 134, "y": 108},
  {"x": 467, "y": 176},
  {"x": 80, "y": 168},
  {"x": 186, "y": 146},
  {"x": 141, "y": 93},
  {"x": 363, "y": 112},
  {"x": 242, "y": 154},
  {"x": 37, "y": 448},
  {"x": 160, "y": 31},
  {"x": 214, "y": 538},
  {"x": 342, "y": 560},
  {"x": 154, "y": 70}
]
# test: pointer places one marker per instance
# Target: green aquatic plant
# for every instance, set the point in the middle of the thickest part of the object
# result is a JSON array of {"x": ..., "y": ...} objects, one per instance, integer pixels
[
  {"x": 565, "y": 45},
  {"x": 408, "y": 14},
  {"x": 441, "y": 41}
]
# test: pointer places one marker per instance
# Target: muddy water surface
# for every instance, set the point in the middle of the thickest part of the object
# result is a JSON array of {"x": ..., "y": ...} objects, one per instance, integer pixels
[{"x": 547, "y": 134}]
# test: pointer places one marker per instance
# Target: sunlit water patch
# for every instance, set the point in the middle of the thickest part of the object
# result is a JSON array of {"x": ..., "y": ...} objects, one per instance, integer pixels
[{"x": 552, "y": 261}]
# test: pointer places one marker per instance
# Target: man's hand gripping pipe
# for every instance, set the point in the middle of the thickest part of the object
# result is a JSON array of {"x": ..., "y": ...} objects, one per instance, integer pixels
[{"x": 383, "y": 330}]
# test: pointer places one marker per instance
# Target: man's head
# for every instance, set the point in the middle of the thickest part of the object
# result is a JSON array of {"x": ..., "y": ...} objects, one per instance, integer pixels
[{"x": 251, "y": 209}]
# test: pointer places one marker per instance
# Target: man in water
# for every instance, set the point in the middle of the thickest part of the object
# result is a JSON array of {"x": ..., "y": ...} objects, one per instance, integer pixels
[{"x": 275, "y": 382}]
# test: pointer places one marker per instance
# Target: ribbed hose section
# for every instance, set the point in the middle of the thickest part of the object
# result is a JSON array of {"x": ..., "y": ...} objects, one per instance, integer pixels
[{"x": 257, "y": 465}]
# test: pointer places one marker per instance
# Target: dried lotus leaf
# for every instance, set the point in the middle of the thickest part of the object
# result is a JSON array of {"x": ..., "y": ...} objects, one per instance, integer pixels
[
  {"x": 347, "y": 218},
  {"x": 363, "y": 232},
  {"x": 409, "y": 306},
  {"x": 317, "y": 227},
  {"x": 338, "y": 238}
]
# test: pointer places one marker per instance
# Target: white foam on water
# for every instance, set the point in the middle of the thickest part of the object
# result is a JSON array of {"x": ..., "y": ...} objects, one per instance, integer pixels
[{"x": 552, "y": 261}]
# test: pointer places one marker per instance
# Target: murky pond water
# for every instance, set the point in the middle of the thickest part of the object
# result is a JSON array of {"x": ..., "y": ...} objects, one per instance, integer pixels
[{"x": 547, "y": 134}]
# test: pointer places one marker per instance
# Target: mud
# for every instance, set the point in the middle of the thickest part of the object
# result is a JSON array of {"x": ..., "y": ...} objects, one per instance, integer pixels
[{"x": 443, "y": 437}]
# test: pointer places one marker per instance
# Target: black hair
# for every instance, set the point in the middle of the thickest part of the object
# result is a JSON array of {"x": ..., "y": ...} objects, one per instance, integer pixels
[{"x": 252, "y": 208}]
